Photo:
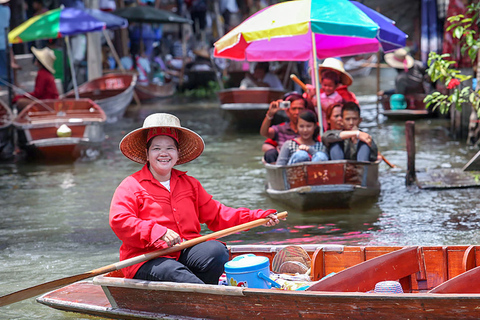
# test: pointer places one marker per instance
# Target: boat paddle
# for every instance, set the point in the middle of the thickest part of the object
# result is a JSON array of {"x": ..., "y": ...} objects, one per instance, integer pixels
[
  {"x": 299, "y": 82},
  {"x": 51, "y": 285},
  {"x": 387, "y": 162}
]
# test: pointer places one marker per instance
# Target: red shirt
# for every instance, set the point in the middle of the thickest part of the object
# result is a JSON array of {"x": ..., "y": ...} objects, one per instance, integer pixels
[
  {"x": 142, "y": 209},
  {"x": 45, "y": 87}
]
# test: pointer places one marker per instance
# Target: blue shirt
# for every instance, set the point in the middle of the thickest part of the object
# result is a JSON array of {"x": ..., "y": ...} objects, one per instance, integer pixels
[{"x": 4, "y": 23}]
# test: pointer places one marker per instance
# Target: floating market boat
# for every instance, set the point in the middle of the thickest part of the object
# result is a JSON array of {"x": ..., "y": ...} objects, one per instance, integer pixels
[
  {"x": 247, "y": 107},
  {"x": 415, "y": 108},
  {"x": 6, "y": 132},
  {"x": 346, "y": 282},
  {"x": 154, "y": 91},
  {"x": 59, "y": 130},
  {"x": 113, "y": 92},
  {"x": 324, "y": 185}
]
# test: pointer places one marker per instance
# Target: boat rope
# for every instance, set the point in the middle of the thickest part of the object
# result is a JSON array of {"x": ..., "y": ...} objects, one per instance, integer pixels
[{"x": 25, "y": 93}]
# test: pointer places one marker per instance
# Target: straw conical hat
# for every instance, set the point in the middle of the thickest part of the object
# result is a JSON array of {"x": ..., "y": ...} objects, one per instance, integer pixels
[
  {"x": 399, "y": 59},
  {"x": 134, "y": 144},
  {"x": 335, "y": 65},
  {"x": 46, "y": 57}
]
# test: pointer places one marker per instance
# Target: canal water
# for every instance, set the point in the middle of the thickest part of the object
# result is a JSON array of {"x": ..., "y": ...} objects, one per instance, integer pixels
[{"x": 54, "y": 218}]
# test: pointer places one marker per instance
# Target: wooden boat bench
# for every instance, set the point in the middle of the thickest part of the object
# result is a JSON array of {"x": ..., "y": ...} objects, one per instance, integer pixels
[{"x": 362, "y": 277}]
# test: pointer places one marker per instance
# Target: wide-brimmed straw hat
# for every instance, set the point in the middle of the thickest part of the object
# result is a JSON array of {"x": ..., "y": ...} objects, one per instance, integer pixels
[
  {"x": 335, "y": 65},
  {"x": 46, "y": 57},
  {"x": 399, "y": 59},
  {"x": 134, "y": 144}
]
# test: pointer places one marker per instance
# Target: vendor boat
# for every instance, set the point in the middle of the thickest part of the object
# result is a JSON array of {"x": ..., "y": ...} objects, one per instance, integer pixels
[
  {"x": 246, "y": 108},
  {"x": 339, "y": 184},
  {"x": 415, "y": 108},
  {"x": 113, "y": 92},
  {"x": 345, "y": 282},
  {"x": 60, "y": 130},
  {"x": 155, "y": 91}
]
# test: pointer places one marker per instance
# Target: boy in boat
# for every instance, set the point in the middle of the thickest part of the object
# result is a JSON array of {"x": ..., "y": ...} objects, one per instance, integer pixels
[
  {"x": 277, "y": 134},
  {"x": 350, "y": 143}
]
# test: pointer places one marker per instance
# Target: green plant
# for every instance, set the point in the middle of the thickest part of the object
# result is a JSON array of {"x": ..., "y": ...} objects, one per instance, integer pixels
[
  {"x": 440, "y": 68},
  {"x": 203, "y": 92}
]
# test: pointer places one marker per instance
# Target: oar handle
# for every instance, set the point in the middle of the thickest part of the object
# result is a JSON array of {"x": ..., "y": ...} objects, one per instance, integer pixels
[
  {"x": 386, "y": 161},
  {"x": 186, "y": 244},
  {"x": 299, "y": 82}
]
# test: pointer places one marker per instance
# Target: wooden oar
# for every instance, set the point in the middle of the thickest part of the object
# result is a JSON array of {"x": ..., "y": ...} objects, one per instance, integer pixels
[
  {"x": 299, "y": 82},
  {"x": 48, "y": 286},
  {"x": 387, "y": 162}
]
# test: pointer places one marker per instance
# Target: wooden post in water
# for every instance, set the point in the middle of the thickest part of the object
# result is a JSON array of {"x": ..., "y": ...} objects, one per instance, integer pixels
[{"x": 410, "y": 143}]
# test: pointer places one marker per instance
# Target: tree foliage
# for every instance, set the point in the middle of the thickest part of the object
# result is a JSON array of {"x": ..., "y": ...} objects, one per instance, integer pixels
[{"x": 441, "y": 68}]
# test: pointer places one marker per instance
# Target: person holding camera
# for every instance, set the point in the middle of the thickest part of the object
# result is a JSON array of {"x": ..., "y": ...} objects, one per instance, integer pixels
[{"x": 276, "y": 135}]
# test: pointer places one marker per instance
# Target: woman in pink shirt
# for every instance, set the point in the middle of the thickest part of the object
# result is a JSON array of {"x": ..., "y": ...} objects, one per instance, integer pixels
[{"x": 159, "y": 206}]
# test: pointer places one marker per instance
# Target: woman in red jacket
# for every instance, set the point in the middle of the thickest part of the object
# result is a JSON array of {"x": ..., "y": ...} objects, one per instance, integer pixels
[
  {"x": 45, "y": 87},
  {"x": 159, "y": 206}
]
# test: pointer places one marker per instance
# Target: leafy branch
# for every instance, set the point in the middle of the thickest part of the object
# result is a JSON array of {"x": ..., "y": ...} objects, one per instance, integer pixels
[{"x": 441, "y": 68}]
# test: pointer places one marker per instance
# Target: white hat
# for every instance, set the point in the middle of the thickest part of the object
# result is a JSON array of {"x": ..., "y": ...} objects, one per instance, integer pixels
[
  {"x": 335, "y": 65},
  {"x": 399, "y": 59},
  {"x": 46, "y": 57},
  {"x": 134, "y": 144},
  {"x": 3, "y": 1}
]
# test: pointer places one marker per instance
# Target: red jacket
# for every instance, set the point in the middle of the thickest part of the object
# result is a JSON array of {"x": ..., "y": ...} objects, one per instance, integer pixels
[
  {"x": 142, "y": 209},
  {"x": 45, "y": 87}
]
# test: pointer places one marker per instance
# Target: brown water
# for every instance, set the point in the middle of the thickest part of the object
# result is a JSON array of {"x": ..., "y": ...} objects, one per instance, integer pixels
[{"x": 54, "y": 218}]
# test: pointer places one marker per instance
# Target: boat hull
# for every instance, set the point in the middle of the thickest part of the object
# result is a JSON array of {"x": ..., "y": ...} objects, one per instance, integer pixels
[
  {"x": 429, "y": 269},
  {"x": 247, "y": 108},
  {"x": 154, "y": 91},
  {"x": 37, "y": 128},
  {"x": 324, "y": 185},
  {"x": 112, "y": 92}
]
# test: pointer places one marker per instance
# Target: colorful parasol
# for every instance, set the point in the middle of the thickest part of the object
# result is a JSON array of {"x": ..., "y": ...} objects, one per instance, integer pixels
[
  {"x": 54, "y": 24},
  {"x": 283, "y": 32}
]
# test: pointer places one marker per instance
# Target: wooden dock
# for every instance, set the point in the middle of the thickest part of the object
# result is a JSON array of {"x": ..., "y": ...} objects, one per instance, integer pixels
[{"x": 466, "y": 177}]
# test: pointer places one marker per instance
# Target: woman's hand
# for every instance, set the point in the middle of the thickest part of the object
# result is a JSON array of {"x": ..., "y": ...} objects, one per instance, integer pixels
[
  {"x": 171, "y": 238},
  {"x": 273, "y": 220}
]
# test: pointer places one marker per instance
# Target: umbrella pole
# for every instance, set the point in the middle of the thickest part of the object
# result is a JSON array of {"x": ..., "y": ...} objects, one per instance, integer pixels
[
  {"x": 317, "y": 83},
  {"x": 72, "y": 69}
]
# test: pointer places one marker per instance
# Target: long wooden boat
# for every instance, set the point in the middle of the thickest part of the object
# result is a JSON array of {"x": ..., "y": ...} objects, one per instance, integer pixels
[
  {"x": 247, "y": 107},
  {"x": 60, "y": 130},
  {"x": 435, "y": 282},
  {"x": 324, "y": 185},
  {"x": 415, "y": 108},
  {"x": 154, "y": 91},
  {"x": 113, "y": 92},
  {"x": 6, "y": 133}
]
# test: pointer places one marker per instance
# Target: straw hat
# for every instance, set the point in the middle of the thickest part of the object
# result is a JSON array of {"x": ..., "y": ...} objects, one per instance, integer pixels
[
  {"x": 388, "y": 287},
  {"x": 399, "y": 59},
  {"x": 335, "y": 65},
  {"x": 46, "y": 57},
  {"x": 4, "y": 1},
  {"x": 202, "y": 53},
  {"x": 134, "y": 144}
]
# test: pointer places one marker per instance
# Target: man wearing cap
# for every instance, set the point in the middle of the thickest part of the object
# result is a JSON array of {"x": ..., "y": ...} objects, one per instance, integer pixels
[
  {"x": 277, "y": 134},
  {"x": 159, "y": 207},
  {"x": 411, "y": 73}
]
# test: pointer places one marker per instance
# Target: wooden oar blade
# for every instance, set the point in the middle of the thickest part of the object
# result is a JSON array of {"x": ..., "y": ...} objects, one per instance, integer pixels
[{"x": 41, "y": 288}]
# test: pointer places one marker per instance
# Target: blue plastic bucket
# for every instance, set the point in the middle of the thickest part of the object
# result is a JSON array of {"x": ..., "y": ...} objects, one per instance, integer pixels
[
  {"x": 398, "y": 102},
  {"x": 248, "y": 270}
]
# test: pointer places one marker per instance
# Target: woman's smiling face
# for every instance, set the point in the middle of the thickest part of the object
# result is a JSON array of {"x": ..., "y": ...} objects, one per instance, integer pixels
[
  {"x": 162, "y": 155},
  {"x": 305, "y": 129}
]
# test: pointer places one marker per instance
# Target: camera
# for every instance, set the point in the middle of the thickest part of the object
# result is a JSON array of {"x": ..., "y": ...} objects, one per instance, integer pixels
[{"x": 284, "y": 104}]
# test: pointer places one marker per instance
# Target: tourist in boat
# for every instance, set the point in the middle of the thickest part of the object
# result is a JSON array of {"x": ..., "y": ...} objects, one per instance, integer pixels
[
  {"x": 411, "y": 74},
  {"x": 261, "y": 77},
  {"x": 306, "y": 146},
  {"x": 350, "y": 143},
  {"x": 334, "y": 117},
  {"x": 159, "y": 206},
  {"x": 277, "y": 134},
  {"x": 45, "y": 87}
]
